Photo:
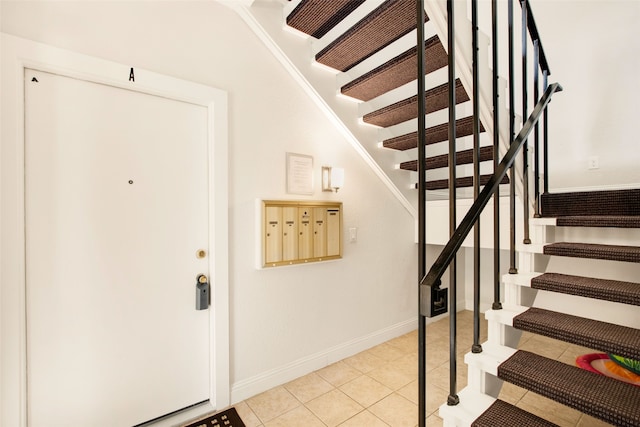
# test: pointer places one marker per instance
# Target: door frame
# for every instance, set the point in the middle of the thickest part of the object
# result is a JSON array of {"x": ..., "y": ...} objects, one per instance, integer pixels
[{"x": 19, "y": 54}]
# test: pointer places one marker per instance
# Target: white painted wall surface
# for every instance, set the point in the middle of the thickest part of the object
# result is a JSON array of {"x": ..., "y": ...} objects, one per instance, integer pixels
[
  {"x": 284, "y": 321},
  {"x": 594, "y": 52}
]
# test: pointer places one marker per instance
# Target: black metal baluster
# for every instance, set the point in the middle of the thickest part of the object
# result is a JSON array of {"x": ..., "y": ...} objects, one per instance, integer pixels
[
  {"x": 476, "y": 347},
  {"x": 453, "y": 398},
  {"x": 536, "y": 132},
  {"x": 525, "y": 147},
  {"x": 512, "y": 134},
  {"x": 422, "y": 262},
  {"x": 545, "y": 136},
  {"x": 497, "y": 305}
]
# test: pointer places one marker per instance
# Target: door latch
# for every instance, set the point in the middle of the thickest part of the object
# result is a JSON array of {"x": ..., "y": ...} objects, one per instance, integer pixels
[{"x": 203, "y": 298}]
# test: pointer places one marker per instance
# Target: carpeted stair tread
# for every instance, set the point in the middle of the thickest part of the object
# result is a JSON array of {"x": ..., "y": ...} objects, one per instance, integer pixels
[
  {"x": 602, "y": 336},
  {"x": 392, "y": 20},
  {"x": 396, "y": 72},
  {"x": 503, "y": 414},
  {"x": 601, "y": 397},
  {"x": 433, "y": 135},
  {"x": 464, "y": 157},
  {"x": 594, "y": 251},
  {"x": 589, "y": 287},
  {"x": 463, "y": 182},
  {"x": 592, "y": 203},
  {"x": 616, "y": 221},
  {"x": 436, "y": 99},
  {"x": 318, "y": 17}
]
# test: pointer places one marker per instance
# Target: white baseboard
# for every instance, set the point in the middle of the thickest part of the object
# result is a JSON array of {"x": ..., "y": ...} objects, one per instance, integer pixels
[{"x": 249, "y": 387}]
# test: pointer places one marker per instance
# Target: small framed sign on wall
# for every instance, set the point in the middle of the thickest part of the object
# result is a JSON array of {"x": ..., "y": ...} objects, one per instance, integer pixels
[{"x": 299, "y": 174}]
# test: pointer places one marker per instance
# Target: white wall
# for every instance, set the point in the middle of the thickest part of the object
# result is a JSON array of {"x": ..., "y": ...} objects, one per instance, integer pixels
[
  {"x": 284, "y": 321},
  {"x": 594, "y": 52}
]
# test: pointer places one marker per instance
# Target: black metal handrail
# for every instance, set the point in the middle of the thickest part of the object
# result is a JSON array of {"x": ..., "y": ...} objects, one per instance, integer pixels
[
  {"x": 533, "y": 32},
  {"x": 432, "y": 278}
]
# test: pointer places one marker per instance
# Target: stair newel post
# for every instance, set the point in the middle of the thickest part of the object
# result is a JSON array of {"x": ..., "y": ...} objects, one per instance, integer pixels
[
  {"x": 496, "y": 158},
  {"x": 525, "y": 147},
  {"x": 453, "y": 398},
  {"x": 512, "y": 134},
  {"x": 422, "y": 262},
  {"x": 536, "y": 133},
  {"x": 545, "y": 137},
  {"x": 476, "y": 347}
]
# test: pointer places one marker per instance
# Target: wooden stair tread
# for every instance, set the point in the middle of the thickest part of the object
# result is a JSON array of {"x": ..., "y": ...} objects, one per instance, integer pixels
[
  {"x": 392, "y": 20},
  {"x": 442, "y": 161},
  {"x": 396, "y": 72},
  {"x": 433, "y": 135},
  {"x": 594, "y": 334},
  {"x": 601, "y": 397},
  {"x": 463, "y": 182},
  {"x": 504, "y": 414},
  {"x": 436, "y": 99},
  {"x": 317, "y": 17},
  {"x": 589, "y": 287},
  {"x": 594, "y": 251}
]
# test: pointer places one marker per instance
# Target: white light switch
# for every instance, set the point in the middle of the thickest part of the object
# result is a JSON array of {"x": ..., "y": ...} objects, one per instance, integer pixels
[{"x": 353, "y": 234}]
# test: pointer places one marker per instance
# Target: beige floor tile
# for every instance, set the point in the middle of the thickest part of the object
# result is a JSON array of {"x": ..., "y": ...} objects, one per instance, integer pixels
[
  {"x": 365, "y": 361},
  {"x": 339, "y": 373},
  {"x": 308, "y": 387},
  {"x": 574, "y": 351},
  {"x": 436, "y": 396},
  {"x": 549, "y": 410},
  {"x": 439, "y": 329},
  {"x": 587, "y": 421},
  {"x": 511, "y": 393},
  {"x": 407, "y": 343},
  {"x": 434, "y": 421},
  {"x": 410, "y": 391},
  {"x": 392, "y": 376},
  {"x": 396, "y": 411},
  {"x": 408, "y": 364},
  {"x": 546, "y": 347},
  {"x": 386, "y": 352},
  {"x": 364, "y": 419},
  {"x": 437, "y": 354},
  {"x": 365, "y": 390},
  {"x": 300, "y": 416},
  {"x": 439, "y": 377},
  {"x": 272, "y": 403},
  {"x": 249, "y": 418},
  {"x": 334, "y": 407}
]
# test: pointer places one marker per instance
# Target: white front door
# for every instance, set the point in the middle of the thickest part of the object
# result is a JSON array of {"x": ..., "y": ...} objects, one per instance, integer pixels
[{"x": 116, "y": 202}]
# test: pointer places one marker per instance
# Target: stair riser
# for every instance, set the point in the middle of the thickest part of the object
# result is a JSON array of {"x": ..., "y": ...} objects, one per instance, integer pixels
[{"x": 618, "y": 202}]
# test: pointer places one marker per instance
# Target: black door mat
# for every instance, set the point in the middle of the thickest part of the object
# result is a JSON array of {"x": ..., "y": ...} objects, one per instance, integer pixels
[{"x": 228, "y": 418}]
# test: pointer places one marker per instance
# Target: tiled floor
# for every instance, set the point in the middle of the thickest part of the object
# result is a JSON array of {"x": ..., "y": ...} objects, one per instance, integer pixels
[{"x": 379, "y": 387}]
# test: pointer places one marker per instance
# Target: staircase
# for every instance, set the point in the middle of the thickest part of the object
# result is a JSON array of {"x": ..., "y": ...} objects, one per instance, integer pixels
[
  {"x": 372, "y": 51},
  {"x": 369, "y": 46},
  {"x": 604, "y": 398}
]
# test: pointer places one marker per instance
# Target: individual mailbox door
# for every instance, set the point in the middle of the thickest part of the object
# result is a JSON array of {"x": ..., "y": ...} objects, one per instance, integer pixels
[
  {"x": 333, "y": 232},
  {"x": 289, "y": 233},
  {"x": 273, "y": 234},
  {"x": 305, "y": 233},
  {"x": 319, "y": 232}
]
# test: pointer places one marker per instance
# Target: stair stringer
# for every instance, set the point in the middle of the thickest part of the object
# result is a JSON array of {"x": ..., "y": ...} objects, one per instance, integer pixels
[
  {"x": 437, "y": 12},
  {"x": 293, "y": 53}
]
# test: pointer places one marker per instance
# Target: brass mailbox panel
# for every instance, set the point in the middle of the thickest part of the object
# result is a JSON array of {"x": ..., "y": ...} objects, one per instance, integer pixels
[{"x": 300, "y": 232}]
